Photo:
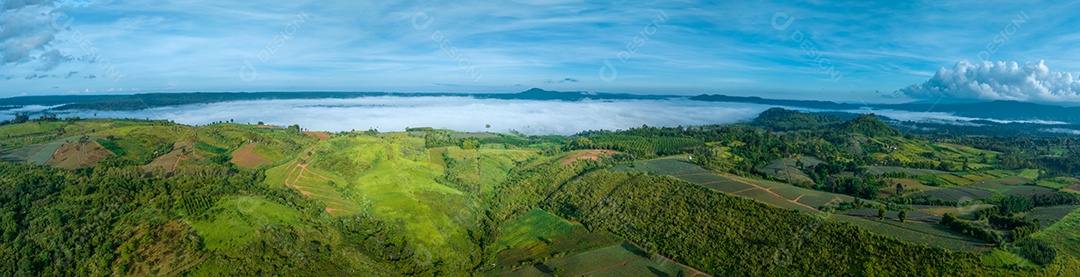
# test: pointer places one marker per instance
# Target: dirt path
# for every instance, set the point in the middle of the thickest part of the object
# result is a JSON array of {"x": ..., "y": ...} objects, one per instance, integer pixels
[
  {"x": 773, "y": 193},
  {"x": 833, "y": 200},
  {"x": 796, "y": 202}
]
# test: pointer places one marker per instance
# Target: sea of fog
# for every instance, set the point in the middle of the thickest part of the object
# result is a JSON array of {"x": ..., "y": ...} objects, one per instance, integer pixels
[
  {"x": 464, "y": 114},
  {"x": 456, "y": 113}
]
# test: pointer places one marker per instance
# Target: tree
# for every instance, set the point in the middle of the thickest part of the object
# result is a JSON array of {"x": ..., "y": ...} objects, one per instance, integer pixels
[
  {"x": 556, "y": 271},
  {"x": 294, "y": 128},
  {"x": 881, "y": 213},
  {"x": 902, "y": 216},
  {"x": 899, "y": 189},
  {"x": 470, "y": 144}
]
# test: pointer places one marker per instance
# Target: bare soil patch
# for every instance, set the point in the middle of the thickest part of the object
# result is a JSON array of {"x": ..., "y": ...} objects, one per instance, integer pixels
[
  {"x": 73, "y": 155},
  {"x": 246, "y": 157},
  {"x": 594, "y": 155},
  {"x": 182, "y": 151},
  {"x": 319, "y": 135}
]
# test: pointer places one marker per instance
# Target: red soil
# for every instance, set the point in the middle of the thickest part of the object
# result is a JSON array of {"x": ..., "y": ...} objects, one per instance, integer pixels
[
  {"x": 319, "y": 135},
  {"x": 586, "y": 155}
]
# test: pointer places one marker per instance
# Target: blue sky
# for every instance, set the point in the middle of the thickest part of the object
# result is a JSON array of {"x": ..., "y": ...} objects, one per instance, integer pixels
[{"x": 855, "y": 51}]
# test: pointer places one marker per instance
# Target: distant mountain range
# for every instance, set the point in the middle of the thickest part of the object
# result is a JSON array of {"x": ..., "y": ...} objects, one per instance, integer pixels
[{"x": 1002, "y": 110}]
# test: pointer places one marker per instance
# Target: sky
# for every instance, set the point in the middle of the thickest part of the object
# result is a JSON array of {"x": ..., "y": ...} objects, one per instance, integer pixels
[{"x": 847, "y": 51}]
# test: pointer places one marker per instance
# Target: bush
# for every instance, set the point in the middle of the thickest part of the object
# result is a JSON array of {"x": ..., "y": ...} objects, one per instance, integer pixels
[{"x": 1035, "y": 251}]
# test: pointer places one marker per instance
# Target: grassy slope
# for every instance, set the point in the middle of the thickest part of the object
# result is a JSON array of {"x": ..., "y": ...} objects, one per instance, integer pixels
[{"x": 400, "y": 184}]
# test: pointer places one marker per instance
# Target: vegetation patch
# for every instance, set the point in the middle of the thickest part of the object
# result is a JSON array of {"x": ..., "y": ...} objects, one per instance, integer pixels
[
  {"x": 235, "y": 221},
  {"x": 210, "y": 148}
]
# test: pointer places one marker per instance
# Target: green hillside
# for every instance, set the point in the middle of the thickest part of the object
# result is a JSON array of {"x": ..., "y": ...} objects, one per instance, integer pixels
[{"x": 787, "y": 195}]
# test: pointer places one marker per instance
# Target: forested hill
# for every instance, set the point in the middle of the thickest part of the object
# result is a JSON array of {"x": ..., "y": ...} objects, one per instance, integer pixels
[
  {"x": 870, "y": 125},
  {"x": 780, "y": 119}
]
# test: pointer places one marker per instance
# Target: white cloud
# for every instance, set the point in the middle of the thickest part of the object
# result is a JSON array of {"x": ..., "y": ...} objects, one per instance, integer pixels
[{"x": 1032, "y": 82}]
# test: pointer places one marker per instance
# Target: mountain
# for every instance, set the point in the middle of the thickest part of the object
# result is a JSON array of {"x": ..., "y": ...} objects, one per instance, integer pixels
[
  {"x": 1000, "y": 109},
  {"x": 814, "y": 104},
  {"x": 541, "y": 94}
]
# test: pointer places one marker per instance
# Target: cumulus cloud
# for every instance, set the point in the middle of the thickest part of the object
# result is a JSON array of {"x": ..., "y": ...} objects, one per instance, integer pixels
[
  {"x": 1032, "y": 82},
  {"x": 51, "y": 59},
  {"x": 30, "y": 31}
]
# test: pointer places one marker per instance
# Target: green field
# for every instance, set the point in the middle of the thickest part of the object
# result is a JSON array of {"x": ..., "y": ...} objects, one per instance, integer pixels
[
  {"x": 1063, "y": 234},
  {"x": 1028, "y": 191},
  {"x": 1048, "y": 216},
  {"x": 233, "y": 222},
  {"x": 955, "y": 194},
  {"x": 413, "y": 204},
  {"x": 918, "y": 233},
  {"x": 1000, "y": 184},
  {"x": 775, "y": 193},
  {"x": 674, "y": 165},
  {"x": 538, "y": 236},
  {"x": 878, "y": 170},
  {"x": 623, "y": 259}
]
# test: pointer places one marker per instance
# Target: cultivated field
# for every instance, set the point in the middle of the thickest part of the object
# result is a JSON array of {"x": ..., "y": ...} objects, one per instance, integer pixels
[
  {"x": 955, "y": 194},
  {"x": 775, "y": 193},
  {"x": 623, "y": 259},
  {"x": 539, "y": 236},
  {"x": 1048, "y": 216},
  {"x": 918, "y": 233}
]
